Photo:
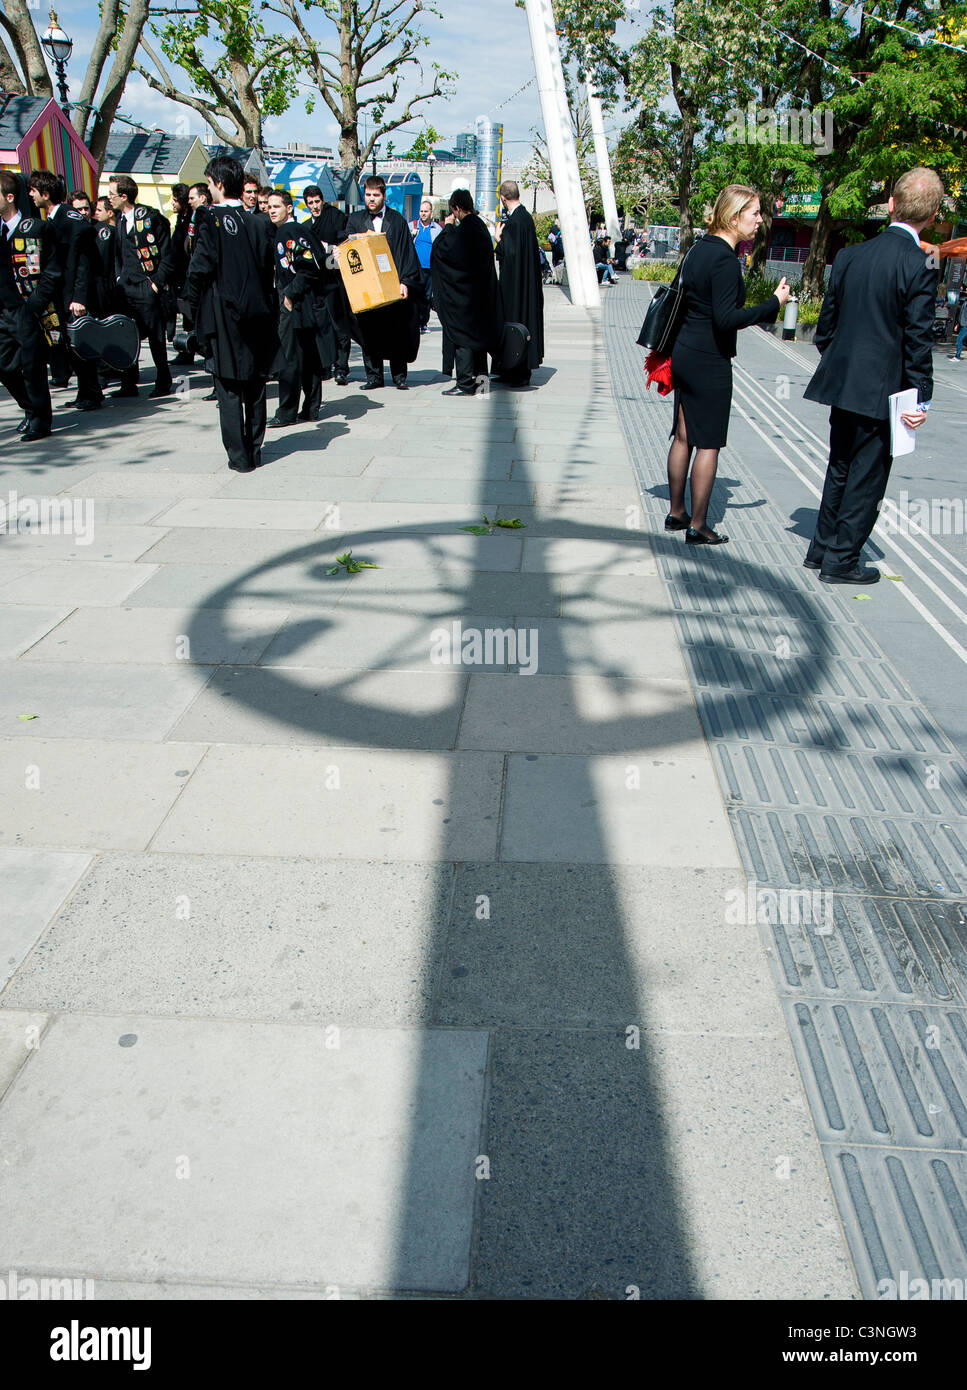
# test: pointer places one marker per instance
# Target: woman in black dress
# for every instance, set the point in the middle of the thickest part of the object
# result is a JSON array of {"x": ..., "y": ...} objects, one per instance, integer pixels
[{"x": 701, "y": 362}]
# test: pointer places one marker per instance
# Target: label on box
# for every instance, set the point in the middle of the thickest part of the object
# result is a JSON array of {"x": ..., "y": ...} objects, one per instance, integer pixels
[{"x": 383, "y": 263}]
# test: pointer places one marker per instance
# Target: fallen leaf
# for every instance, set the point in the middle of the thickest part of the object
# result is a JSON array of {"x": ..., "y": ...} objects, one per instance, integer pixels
[
  {"x": 26, "y": 716},
  {"x": 861, "y": 597}
]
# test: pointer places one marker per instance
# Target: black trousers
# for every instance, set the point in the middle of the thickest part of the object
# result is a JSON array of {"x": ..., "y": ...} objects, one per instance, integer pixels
[
  {"x": 374, "y": 366},
  {"x": 856, "y": 479},
  {"x": 147, "y": 308},
  {"x": 427, "y": 293},
  {"x": 241, "y": 415},
  {"x": 470, "y": 363},
  {"x": 23, "y": 363},
  {"x": 300, "y": 371}
]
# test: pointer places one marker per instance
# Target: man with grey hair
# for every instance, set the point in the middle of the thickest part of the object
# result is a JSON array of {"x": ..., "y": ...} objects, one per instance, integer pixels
[
  {"x": 521, "y": 280},
  {"x": 875, "y": 338}
]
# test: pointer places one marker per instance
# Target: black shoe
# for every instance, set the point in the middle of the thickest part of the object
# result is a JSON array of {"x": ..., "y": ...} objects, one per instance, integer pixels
[
  {"x": 159, "y": 391},
  {"x": 693, "y": 537},
  {"x": 126, "y": 392},
  {"x": 458, "y": 391},
  {"x": 33, "y": 432},
  {"x": 242, "y": 467},
  {"x": 859, "y": 574},
  {"x": 24, "y": 424},
  {"x": 342, "y": 378},
  {"x": 308, "y": 416},
  {"x": 400, "y": 383},
  {"x": 372, "y": 383},
  {"x": 808, "y": 564},
  {"x": 212, "y": 396},
  {"x": 182, "y": 361},
  {"x": 87, "y": 406},
  {"x": 677, "y": 523},
  {"x": 60, "y": 383},
  {"x": 278, "y": 423}
]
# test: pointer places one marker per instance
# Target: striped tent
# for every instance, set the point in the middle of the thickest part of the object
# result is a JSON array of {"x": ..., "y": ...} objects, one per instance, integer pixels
[{"x": 35, "y": 134}]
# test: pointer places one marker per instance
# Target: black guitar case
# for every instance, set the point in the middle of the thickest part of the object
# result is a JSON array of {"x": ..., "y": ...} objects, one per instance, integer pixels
[
  {"x": 114, "y": 340},
  {"x": 513, "y": 345}
]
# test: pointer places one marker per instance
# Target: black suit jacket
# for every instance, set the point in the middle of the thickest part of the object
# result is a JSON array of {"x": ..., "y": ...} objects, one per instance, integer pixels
[
  {"x": 874, "y": 330},
  {"x": 715, "y": 307},
  {"x": 78, "y": 257}
]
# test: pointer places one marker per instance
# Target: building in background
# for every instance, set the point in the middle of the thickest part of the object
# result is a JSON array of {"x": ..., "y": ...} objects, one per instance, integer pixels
[
  {"x": 250, "y": 159},
  {"x": 35, "y": 134},
  {"x": 156, "y": 162},
  {"x": 465, "y": 146}
]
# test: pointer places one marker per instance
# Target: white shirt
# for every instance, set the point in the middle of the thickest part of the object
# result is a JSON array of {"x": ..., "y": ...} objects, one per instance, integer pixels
[
  {"x": 129, "y": 220},
  {"x": 907, "y": 228},
  {"x": 378, "y": 219},
  {"x": 13, "y": 224}
]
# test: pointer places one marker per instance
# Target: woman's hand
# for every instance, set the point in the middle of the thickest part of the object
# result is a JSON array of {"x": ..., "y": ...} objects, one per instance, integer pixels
[{"x": 782, "y": 291}]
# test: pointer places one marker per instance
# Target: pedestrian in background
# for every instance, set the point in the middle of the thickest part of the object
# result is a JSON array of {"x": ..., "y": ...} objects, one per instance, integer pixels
[
  {"x": 875, "y": 337},
  {"x": 425, "y": 232},
  {"x": 961, "y": 322},
  {"x": 467, "y": 292},
  {"x": 701, "y": 362},
  {"x": 521, "y": 281}
]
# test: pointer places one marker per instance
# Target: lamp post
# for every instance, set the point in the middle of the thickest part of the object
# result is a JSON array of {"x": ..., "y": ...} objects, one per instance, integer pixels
[
  {"x": 58, "y": 47},
  {"x": 431, "y": 160}
]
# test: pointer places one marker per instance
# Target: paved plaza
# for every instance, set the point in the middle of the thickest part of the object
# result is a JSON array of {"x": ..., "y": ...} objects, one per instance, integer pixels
[{"x": 351, "y": 947}]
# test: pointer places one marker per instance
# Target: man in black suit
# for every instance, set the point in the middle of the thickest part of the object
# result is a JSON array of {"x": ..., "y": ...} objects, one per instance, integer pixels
[
  {"x": 144, "y": 264},
  {"x": 327, "y": 224},
  {"x": 874, "y": 334},
  {"x": 80, "y": 271},
  {"x": 393, "y": 331}
]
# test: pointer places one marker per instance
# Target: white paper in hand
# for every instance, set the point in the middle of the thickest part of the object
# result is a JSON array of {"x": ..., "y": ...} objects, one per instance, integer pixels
[{"x": 903, "y": 439}]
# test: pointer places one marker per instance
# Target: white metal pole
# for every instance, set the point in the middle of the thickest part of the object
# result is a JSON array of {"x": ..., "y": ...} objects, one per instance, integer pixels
[
  {"x": 603, "y": 161},
  {"x": 581, "y": 275}
]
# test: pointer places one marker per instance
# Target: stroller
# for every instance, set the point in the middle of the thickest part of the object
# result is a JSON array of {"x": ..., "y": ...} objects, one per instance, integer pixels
[{"x": 547, "y": 274}]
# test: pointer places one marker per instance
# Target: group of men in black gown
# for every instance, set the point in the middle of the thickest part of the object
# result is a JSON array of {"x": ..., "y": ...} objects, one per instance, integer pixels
[
  {"x": 266, "y": 297},
  {"x": 260, "y": 295}
]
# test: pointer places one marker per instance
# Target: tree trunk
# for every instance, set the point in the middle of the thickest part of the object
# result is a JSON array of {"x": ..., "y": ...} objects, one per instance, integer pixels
[
  {"x": 127, "y": 49},
  {"x": 813, "y": 271},
  {"x": 760, "y": 246},
  {"x": 82, "y": 112},
  {"x": 688, "y": 113},
  {"x": 35, "y": 68},
  {"x": 248, "y": 103},
  {"x": 9, "y": 76}
]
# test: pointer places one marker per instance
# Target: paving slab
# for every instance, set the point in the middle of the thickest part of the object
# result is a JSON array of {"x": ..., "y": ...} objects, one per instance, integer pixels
[
  {"x": 461, "y": 491},
  {"x": 241, "y": 512},
  {"x": 35, "y": 884},
  {"x": 238, "y": 548},
  {"x": 648, "y": 807},
  {"x": 145, "y": 481},
  {"x": 300, "y": 487},
  {"x": 21, "y": 1034},
  {"x": 250, "y": 585},
  {"x": 86, "y": 700},
  {"x": 21, "y": 627},
  {"x": 378, "y": 1131},
  {"x": 338, "y": 804},
  {"x": 269, "y": 705},
  {"x": 570, "y": 555},
  {"x": 708, "y": 1119},
  {"x": 88, "y": 794},
  {"x": 99, "y": 582},
  {"x": 169, "y": 636},
  {"x": 348, "y": 637},
  {"x": 225, "y": 937}
]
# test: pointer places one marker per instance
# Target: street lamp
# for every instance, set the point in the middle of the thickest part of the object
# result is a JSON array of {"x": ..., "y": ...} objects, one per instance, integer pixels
[
  {"x": 431, "y": 160},
  {"x": 58, "y": 47}
]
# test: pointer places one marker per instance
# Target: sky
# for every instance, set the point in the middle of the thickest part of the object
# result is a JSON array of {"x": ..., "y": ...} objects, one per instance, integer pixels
[{"x": 485, "y": 42}]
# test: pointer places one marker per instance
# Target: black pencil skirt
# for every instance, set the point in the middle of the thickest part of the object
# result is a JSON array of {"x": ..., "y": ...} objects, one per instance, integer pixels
[{"x": 703, "y": 388}]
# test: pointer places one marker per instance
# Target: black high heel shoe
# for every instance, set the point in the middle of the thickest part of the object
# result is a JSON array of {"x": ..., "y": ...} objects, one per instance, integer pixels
[
  {"x": 693, "y": 537},
  {"x": 676, "y": 523}
]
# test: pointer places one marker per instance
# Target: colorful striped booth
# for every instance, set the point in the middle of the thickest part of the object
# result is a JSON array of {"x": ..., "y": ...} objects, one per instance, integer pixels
[{"x": 35, "y": 134}]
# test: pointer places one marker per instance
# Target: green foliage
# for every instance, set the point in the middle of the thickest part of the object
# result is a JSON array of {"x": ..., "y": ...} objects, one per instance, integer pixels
[
  {"x": 350, "y": 565},
  {"x": 543, "y": 223},
  {"x": 656, "y": 271},
  {"x": 509, "y": 523}
]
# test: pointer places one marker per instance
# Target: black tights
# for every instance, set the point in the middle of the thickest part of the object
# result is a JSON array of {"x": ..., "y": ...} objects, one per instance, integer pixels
[{"x": 703, "y": 476}]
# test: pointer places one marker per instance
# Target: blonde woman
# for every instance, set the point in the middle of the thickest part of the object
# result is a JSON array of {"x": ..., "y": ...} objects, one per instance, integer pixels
[{"x": 701, "y": 362}]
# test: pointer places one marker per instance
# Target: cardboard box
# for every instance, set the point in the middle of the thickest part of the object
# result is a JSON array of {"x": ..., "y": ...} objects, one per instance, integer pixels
[{"x": 368, "y": 272}]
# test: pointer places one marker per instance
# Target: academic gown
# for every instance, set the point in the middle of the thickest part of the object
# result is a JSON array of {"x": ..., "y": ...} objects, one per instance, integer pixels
[
  {"x": 465, "y": 288},
  {"x": 231, "y": 290},
  {"x": 333, "y": 317},
  {"x": 521, "y": 283},
  {"x": 391, "y": 333}
]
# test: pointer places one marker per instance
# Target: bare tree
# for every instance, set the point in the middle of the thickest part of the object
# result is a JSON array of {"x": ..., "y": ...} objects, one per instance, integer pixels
[
  {"x": 19, "y": 25},
  {"x": 373, "y": 49}
]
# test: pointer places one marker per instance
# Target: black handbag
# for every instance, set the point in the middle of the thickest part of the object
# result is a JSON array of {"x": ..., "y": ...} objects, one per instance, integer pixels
[{"x": 665, "y": 314}]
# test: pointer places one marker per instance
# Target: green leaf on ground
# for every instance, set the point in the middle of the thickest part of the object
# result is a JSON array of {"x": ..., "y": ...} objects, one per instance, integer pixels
[
  {"x": 26, "y": 716},
  {"x": 512, "y": 523},
  {"x": 350, "y": 565},
  {"x": 478, "y": 530},
  {"x": 861, "y": 598},
  {"x": 897, "y": 578}
]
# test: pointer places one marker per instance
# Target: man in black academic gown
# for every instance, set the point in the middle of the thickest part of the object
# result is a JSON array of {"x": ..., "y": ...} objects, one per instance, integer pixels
[
  {"x": 521, "y": 282},
  {"x": 298, "y": 277},
  {"x": 231, "y": 292},
  {"x": 144, "y": 259},
  {"x": 80, "y": 271},
  {"x": 394, "y": 331},
  {"x": 466, "y": 292},
  {"x": 327, "y": 224}
]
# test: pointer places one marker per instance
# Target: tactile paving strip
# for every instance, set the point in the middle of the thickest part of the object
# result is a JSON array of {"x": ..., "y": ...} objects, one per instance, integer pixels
[{"x": 849, "y": 807}]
